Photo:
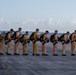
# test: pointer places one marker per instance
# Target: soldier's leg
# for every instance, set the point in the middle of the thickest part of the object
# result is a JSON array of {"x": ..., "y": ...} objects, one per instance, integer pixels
[
  {"x": 72, "y": 47},
  {"x": 14, "y": 47},
  {"x": 8, "y": 47},
  {"x": 17, "y": 44},
  {"x": 36, "y": 48},
  {"x": 55, "y": 48},
  {"x": 24, "y": 49},
  {"x": 33, "y": 52},
  {"x": 1, "y": 47},
  {"x": 63, "y": 48},
  {"x": 44, "y": 49}
]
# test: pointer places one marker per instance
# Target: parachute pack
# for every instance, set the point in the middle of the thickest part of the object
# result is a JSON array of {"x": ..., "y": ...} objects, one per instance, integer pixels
[
  {"x": 6, "y": 36},
  {"x": 21, "y": 38},
  {"x": 70, "y": 37},
  {"x": 61, "y": 37},
  {"x": 32, "y": 36},
  {"x": 52, "y": 38},
  {"x": 41, "y": 37},
  {"x": 22, "y": 41},
  {"x": 14, "y": 36},
  {"x": 1, "y": 37}
]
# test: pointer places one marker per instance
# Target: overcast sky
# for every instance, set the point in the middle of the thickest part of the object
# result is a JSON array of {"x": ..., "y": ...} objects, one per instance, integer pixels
[{"x": 42, "y": 14}]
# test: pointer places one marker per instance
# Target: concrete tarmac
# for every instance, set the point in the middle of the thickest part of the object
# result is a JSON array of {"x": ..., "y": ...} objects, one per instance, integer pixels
[{"x": 37, "y": 65}]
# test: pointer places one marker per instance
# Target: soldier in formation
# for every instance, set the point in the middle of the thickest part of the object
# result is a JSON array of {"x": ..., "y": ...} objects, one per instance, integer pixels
[{"x": 44, "y": 38}]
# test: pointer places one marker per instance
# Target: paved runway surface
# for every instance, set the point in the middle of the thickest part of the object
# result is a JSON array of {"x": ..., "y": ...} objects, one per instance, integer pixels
[{"x": 37, "y": 65}]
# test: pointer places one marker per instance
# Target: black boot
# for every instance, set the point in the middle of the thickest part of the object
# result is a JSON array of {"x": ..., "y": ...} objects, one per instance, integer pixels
[
  {"x": 72, "y": 54},
  {"x": 1, "y": 54},
  {"x": 55, "y": 54},
  {"x": 44, "y": 54},
  {"x": 8, "y": 53},
  {"x": 64, "y": 55},
  {"x": 37, "y": 54},
  {"x": 16, "y": 54},
  {"x": 33, "y": 54},
  {"x": 26, "y": 54}
]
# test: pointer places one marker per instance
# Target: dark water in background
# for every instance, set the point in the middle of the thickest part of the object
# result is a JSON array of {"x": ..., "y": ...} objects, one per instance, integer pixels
[
  {"x": 59, "y": 34},
  {"x": 30, "y": 32}
]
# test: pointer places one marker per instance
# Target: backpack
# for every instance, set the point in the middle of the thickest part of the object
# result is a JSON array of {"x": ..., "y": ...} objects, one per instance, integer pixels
[
  {"x": 70, "y": 37},
  {"x": 1, "y": 37},
  {"x": 52, "y": 38},
  {"x": 14, "y": 36},
  {"x": 32, "y": 36},
  {"x": 21, "y": 38},
  {"x": 41, "y": 37},
  {"x": 61, "y": 37},
  {"x": 6, "y": 36}
]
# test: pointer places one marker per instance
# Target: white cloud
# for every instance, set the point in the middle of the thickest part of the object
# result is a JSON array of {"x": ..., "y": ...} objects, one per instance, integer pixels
[
  {"x": 1, "y": 20},
  {"x": 73, "y": 21},
  {"x": 32, "y": 24}
]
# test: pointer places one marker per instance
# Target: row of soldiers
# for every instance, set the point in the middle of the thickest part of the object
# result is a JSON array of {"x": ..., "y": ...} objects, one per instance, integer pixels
[{"x": 35, "y": 37}]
